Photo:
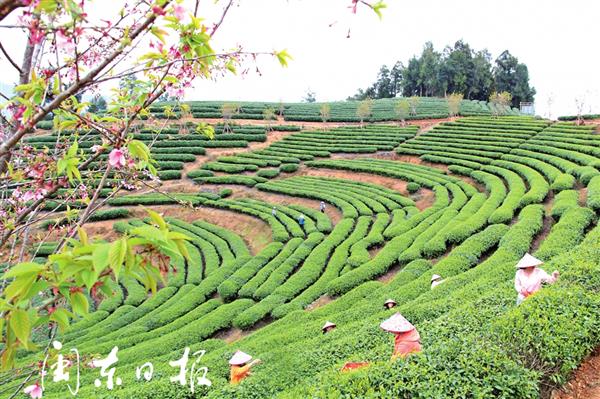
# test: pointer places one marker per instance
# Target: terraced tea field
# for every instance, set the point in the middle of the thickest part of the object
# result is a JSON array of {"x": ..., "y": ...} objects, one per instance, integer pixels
[{"x": 465, "y": 200}]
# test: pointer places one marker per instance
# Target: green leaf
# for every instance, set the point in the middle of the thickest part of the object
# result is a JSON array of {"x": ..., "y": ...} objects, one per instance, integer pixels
[
  {"x": 72, "y": 151},
  {"x": 89, "y": 278},
  {"x": 116, "y": 255},
  {"x": 61, "y": 317},
  {"x": 24, "y": 269},
  {"x": 377, "y": 7},
  {"x": 156, "y": 218},
  {"x": 139, "y": 150},
  {"x": 19, "y": 286},
  {"x": 100, "y": 257},
  {"x": 105, "y": 289},
  {"x": 182, "y": 249},
  {"x": 173, "y": 235},
  {"x": 83, "y": 237},
  {"x": 79, "y": 303},
  {"x": 20, "y": 325},
  {"x": 283, "y": 56}
]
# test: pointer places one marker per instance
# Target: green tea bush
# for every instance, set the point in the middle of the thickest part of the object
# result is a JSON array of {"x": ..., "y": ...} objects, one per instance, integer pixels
[
  {"x": 268, "y": 173},
  {"x": 412, "y": 187},
  {"x": 564, "y": 201},
  {"x": 229, "y": 288},
  {"x": 563, "y": 182},
  {"x": 567, "y": 233},
  {"x": 593, "y": 193},
  {"x": 288, "y": 168},
  {"x": 226, "y": 192},
  {"x": 199, "y": 173}
]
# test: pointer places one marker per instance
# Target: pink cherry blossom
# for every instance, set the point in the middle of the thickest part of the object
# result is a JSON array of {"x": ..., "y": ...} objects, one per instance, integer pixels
[
  {"x": 64, "y": 42},
  {"x": 158, "y": 10},
  {"x": 35, "y": 34},
  {"x": 35, "y": 391},
  {"x": 175, "y": 91},
  {"x": 116, "y": 158},
  {"x": 179, "y": 12},
  {"x": 19, "y": 111},
  {"x": 28, "y": 196}
]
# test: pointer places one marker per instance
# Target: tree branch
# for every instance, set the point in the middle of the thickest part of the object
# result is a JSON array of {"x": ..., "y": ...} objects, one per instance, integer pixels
[
  {"x": 12, "y": 62},
  {"x": 8, "y": 6},
  {"x": 218, "y": 24},
  {"x": 71, "y": 90}
]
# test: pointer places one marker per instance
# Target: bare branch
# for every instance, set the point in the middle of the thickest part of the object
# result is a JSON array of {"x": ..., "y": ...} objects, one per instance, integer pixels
[
  {"x": 218, "y": 24},
  {"x": 12, "y": 62}
]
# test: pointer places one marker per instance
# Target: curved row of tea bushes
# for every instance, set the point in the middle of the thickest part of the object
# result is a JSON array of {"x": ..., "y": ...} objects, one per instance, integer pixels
[
  {"x": 162, "y": 199},
  {"x": 567, "y": 233},
  {"x": 287, "y": 216},
  {"x": 333, "y": 268},
  {"x": 593, "y": 193},
  {"x": 384, "y": 259},
  {"x": 280, "y": 232},
  {"x": 359, "y": 253},
  {"x": 564, "y": 201},
  {"x": 250, "y": 287},
  {"x": 229, "y": 288}
]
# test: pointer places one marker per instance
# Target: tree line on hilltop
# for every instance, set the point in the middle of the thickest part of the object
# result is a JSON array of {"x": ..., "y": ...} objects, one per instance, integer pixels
[{"x": 459, "y": 69}]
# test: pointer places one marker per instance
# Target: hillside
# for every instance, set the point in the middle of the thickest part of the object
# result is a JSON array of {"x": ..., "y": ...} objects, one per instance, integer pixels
[{"x": 464, "y": 198}]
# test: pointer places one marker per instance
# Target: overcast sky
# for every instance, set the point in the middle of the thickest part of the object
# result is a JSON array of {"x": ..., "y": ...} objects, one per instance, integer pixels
[{"x": 556, "y": 39}]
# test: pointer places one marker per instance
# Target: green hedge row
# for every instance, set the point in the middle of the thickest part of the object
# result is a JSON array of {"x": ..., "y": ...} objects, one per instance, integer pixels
[
  {"x": 567, "y": 233},
  {"x": 593, "y": 193}
]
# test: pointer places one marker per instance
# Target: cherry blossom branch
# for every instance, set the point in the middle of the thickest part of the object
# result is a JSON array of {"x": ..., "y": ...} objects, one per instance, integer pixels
[
  {"x": 86, "y": 81},
  {"x": 131, "y": 72},
  {"x": 23, "y": 215}
]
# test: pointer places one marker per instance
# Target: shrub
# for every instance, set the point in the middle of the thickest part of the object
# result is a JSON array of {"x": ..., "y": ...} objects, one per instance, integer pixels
[
  {"x": 413, "y": 187},
  {"x": 199, "y": 173},
  {"x": 268, "y": 173},
  {"x": 169, "y": 174},
  {"x": 226, "y": 192},
  {"x": 229, "y": 288},
  {"x": 106, "y": 214},
  {"x": 563, "y": 201},
  {"x": 45, "y": 125},
  {"x": 288, "y": 168},
  {"x": 564, "y": 181},
  {"x": 567, "y": 233},
  {"x": 593, "y": 194}
]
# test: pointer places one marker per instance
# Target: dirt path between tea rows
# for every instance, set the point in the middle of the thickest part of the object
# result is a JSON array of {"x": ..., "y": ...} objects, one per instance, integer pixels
[{"x": 585, "y": 382}]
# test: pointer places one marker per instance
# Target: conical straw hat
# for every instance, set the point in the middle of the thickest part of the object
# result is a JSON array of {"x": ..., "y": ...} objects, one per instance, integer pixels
[
  {"x": 327, "y": 324},
  {"x": 528, "y": 261},
  {"x": 240, "y": 358},
  {"x": 435, "y": 277},
  {"x": 390, "y": 301},
  {"x": 397, "y": 324}
]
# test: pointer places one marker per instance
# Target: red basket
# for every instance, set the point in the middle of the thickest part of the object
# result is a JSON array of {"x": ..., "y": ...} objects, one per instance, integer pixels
[{"x": 354, "y": 366}]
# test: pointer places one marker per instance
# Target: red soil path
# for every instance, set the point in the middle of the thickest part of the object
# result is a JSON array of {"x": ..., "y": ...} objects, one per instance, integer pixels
[{"x": 585, "y": 383}]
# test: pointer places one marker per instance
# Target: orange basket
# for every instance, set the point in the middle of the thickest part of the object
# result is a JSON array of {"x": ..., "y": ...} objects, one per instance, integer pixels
[{"x": 354, "y": 366}]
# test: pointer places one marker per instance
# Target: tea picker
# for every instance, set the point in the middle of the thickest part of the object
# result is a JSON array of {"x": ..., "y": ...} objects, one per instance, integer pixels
[
  {"x": 241, "y": 363},
  {"x": 529, "y": 277},
  {"x": 407, "y": 339}
]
